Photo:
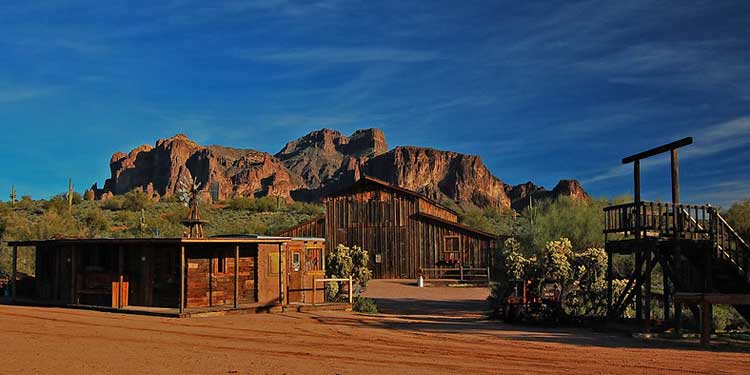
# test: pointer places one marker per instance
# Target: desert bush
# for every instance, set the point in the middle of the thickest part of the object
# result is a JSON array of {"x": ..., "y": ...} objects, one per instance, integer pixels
[
  {"x": 95, "y": 221},
  {"x": 136, "y": 200},
  {"x": 263, "y": 204},
  {"x": 364, "y": 305},
  {"x": 114, "y": 203}
]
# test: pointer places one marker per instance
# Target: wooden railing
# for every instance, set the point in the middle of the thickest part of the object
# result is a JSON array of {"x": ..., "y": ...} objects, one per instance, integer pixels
[
  {"x": 459, "y": 273},
  {"x": 332, "y": 280},
  {"x": 694, "y": 222}
]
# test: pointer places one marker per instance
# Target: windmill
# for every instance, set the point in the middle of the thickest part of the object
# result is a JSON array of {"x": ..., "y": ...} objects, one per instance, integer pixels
[{"x": 188, "y": 194}]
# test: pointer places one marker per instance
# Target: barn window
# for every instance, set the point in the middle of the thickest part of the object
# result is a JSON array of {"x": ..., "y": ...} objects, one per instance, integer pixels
[{"x": 451, "y": 248}]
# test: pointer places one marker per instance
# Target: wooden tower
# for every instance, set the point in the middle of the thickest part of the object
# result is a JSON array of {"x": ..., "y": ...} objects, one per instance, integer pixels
[{"x": 703, "y": 260}]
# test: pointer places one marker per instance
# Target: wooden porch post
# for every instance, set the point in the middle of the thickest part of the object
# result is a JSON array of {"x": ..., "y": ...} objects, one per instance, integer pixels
[
  {"x": 14, "y": 274},
  {"x": 237, "y": 276},
  {"x": 706, "y": 322},
  {"x": 665, "y": 283},
  {"x": 73, "y": 271},
  {"x": 647, "y": 294},
  {"x": 609, "y": 283},
  {"x": 182, "y": 279},
  {"x": 120, "y": 268},
  {"x": 282, "y": 272}
]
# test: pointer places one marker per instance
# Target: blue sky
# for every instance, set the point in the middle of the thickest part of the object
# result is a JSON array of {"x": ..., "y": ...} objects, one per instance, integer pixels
[{"x": 541, "y": 91}]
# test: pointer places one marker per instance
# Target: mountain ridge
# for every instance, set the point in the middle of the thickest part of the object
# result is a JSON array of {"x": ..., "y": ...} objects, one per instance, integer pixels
[{"x": 317, "y": 164}]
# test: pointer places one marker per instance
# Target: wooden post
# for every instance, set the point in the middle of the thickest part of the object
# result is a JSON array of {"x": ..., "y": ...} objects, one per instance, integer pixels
[
  {"x": 706, "y": 323},
  {"x": 237, "y": 276},
  {"x": 14, "y": 275},
  {"x": 675, "y": 173},
  {"x": 57, "y": 281},
  {"x": 665, "y": 281},
  {"x": 73, "y": 270},
  {"x": 609, "y": 283},
  {"x": 314, "y": 291},
  {"x": 647, "y": 295},
  {"x": 638, "y": 290},
  {"x": 713, "y": 223},
  {"x": 351, "y": 290},
  {"x": 120, "y": 267},
  {"x": 282, "y": 272},
  {"x": 639, "y": 249},
  {"x": 182, "y": 279}
]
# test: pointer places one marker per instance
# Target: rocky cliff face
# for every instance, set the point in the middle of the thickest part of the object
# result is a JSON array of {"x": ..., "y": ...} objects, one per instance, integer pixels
[
  {"x": 319, "y": 163},
  {"x": 320, "y": 155},
  {"x": 227, "y": 171},
  {"x": 440, "y": 175}
]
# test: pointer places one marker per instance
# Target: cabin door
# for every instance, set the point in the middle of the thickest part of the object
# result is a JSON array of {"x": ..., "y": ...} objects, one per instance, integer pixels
[{"x": 296, "y": 285}]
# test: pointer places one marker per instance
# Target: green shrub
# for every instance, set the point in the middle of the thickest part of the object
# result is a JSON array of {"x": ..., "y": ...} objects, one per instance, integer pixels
[
  {"x": 136, "y": 200},
  {"x": 364, "y": 305},
  {"x": 96, "y": 221},
  {"x": 114, "y": 204}
]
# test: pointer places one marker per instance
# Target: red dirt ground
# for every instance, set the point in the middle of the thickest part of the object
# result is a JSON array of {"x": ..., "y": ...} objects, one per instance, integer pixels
[{"x": 425, "y": 331}]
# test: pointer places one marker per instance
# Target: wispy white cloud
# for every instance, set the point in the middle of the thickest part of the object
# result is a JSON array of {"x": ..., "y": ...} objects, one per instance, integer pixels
[
  {"x": 338, "y": 55},
  {"x": 9, "y": 94},
  {"x": 712, "y": 140}
]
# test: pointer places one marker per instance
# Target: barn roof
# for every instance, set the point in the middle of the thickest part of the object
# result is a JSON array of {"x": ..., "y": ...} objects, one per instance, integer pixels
[
  {"x": 368, "y": 179},
  {"x": 457, "y": 225},
  {"x": 302, "y": 224},
  {"x": 164, "y": 241}
]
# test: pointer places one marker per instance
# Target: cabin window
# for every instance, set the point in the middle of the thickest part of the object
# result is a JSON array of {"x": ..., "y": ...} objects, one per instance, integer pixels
[
  {"x": 451, "y": 248},
  {"x": 296, "y": 261},
  {"x": 314, "y": 260},
  {"x": 221, "y": 264},
  {"x": 273, "y": 264}
]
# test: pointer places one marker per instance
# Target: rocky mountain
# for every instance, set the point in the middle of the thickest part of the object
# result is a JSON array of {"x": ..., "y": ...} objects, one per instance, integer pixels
[
  {"x": 519, "y": 194},
  {"x": 314, "y": 165},
  {"x": 227, "y": 171},
  {"x": 326, "y": 159}
]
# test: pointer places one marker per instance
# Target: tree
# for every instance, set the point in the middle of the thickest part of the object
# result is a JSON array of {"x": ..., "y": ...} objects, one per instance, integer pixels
[
  {"x": 738, "y": 216},
  {"x": 580, "y": 221}
]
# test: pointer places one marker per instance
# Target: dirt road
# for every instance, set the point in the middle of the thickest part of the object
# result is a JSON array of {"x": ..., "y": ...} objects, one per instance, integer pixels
[{"x": 63, "y": 341}]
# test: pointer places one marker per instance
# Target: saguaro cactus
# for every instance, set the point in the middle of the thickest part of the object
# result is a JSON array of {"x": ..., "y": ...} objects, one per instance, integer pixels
[
  {"x": 13, "y": 196},
  {"x": 70, "y": 194}
]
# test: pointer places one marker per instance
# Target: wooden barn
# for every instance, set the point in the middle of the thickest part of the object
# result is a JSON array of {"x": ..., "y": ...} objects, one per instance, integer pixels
[
  {"x": 404, "y": 232},
  {"x": 175, "y": 276}
]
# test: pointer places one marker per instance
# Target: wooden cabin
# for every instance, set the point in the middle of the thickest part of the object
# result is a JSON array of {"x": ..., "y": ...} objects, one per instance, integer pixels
[
  {"x": 175, "y": 276},
  {"x": 404, "y": 232}
]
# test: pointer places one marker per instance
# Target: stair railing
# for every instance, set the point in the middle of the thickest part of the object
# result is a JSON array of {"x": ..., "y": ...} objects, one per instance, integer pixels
[{"x": 729, "y": 244}]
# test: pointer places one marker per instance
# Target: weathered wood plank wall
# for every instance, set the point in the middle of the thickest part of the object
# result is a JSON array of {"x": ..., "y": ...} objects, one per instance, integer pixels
[
  {"x": 208, "y": 285},
  {"x": 400, "y": 242}
]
